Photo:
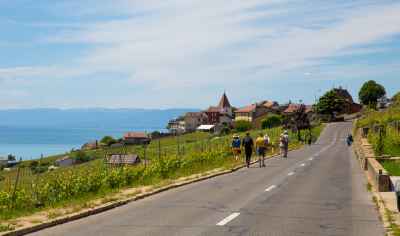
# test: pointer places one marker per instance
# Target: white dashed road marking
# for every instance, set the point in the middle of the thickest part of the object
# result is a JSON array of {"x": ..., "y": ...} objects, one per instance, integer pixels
[
  {"x": 311, "y": 158},
  {"x": 229, "y": 218},
  {"x": 316, "y": 154},
  {"x": 291, "y": 173},
  {"x": 270, "y": 188},
  {"x": 303, "y": 164}
]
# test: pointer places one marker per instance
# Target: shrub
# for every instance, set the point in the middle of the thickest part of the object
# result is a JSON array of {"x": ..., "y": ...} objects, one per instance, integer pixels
[
  {"x": 243, "y": 125},
  {"x": 189, "y": 140},
  {"x": 34, "y": 163},
  {"x": 82, "y": 156},
  {"x": 225, "y": 130},
  {"x": 338, "y": 119},
  {"x": 23, "y": 165},
  {"x": 36, "y": 170},
  {"x": 270, "y": 120}
]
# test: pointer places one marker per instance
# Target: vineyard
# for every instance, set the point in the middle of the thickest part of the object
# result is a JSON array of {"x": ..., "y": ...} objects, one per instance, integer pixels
[
  {"x": 19, "y": 192},
  {"x": 384, "y": 132}
]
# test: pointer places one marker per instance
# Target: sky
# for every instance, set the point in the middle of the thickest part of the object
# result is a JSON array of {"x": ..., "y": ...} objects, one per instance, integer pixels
[{"x": 184, "y": 54}]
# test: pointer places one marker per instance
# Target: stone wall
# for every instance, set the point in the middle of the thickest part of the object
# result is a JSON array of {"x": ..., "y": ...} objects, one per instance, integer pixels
[{"x": 368, "y": 162}]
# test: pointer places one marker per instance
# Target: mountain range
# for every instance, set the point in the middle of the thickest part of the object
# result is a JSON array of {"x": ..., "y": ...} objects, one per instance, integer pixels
[{"x": 91, "y": 117}]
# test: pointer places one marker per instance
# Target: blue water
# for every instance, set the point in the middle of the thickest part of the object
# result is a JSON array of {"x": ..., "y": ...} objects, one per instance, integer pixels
[{"x": 30, "y": 143}]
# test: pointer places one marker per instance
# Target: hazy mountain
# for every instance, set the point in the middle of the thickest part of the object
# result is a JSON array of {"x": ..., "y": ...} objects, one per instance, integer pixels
[{"x": 90, "y": 118}]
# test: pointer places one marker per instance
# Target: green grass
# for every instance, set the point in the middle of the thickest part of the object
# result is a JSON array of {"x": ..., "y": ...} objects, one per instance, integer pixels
[
  {"x": 54, "y": 214},
  {"x": 36, "y": 221},
  {"x": 392, "y": 167},
  {"x": 6, "y": 227}
]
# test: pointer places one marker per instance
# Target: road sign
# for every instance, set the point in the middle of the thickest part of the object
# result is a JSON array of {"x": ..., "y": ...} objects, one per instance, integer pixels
[{"x": 294, "y": 128}]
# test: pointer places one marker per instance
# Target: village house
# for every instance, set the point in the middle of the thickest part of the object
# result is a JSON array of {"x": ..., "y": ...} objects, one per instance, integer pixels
[
  {"x": 221, "y": 114},
  {"x": 174, "y": 125},
  {"x": 292, "y": 107},
  {"x": 348, "y": 101},
  {"x": 250, "y": 112},
  {"x": 246, "y": 113},
  {"x": 189, "y": 121},
  {"x": 132, "y": 138},
  {"x": 3, "y": 160},
  {"x": 262, "y": 113}
]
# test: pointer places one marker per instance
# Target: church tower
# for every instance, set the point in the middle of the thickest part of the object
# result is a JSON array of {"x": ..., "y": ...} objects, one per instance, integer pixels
[{"x": 224, "y": 105}]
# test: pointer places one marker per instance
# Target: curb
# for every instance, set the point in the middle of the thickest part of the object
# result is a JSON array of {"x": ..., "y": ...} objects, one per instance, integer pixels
[
  {"x": 380, "y": 203},
  {"x": 107, "y": 206}
]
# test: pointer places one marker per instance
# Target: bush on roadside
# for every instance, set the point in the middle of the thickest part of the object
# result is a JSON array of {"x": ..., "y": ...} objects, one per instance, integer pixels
[
  {"x": 225, "y": 130},
  {"x": 338, "y": 119}
]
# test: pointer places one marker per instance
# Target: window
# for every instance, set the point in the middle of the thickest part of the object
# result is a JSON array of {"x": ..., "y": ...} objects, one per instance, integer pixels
[
  {"x": 214, "y": 120},
  {"x": 213, "y": 114},
  {"x": 189, "y": 125},
  {"x": 198, "y": 119},
  {"x": 198, "y": 125}
]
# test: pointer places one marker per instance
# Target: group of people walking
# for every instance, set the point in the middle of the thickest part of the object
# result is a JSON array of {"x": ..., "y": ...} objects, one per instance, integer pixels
[{"x": 260, "y": 145}]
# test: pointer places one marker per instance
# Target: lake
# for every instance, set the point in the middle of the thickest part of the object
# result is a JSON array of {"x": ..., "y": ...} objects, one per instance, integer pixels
[{"x": 32, "y": 142}]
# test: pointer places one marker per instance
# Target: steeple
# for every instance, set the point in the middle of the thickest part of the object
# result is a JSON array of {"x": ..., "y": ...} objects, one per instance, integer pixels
[{"x": 224, "y": 103}]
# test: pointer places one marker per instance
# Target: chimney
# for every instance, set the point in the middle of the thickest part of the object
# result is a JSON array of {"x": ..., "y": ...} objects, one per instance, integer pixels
[
  {"x": 290, "y": 101},
  {"x": 256, "y": 109},
  {"x": 340, "y": 88}
]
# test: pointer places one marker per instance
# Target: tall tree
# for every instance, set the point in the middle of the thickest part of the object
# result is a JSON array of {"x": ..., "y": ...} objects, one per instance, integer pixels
[
  {"x": 370, "y": 91},
  {"x": 298, "y": 117},
  {"x": 11, "y": 158},
  {"x": 233, "y": 112},
  {"x": 329, "y": 103}
]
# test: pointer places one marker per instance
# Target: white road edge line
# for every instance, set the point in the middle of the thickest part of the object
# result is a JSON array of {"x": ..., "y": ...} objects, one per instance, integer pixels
[
  {"x": 270, "y": 188},
  {"x": 229, "y": 218},
  {"x": 291, "y": 173},
  {"x": 302, "y": 164}
]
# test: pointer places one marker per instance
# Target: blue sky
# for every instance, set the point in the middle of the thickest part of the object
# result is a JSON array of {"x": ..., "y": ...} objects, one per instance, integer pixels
[{"x": 179, "y": 54}]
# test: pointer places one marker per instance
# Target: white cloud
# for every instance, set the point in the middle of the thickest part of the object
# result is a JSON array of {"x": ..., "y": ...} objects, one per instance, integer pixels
[{"x": 184, "y": 46}]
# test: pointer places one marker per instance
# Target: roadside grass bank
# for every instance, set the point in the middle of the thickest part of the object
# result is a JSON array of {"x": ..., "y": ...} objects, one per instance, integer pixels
[
  {"x": 72, "y": 191},
  {"x": 384, "y": 132}
]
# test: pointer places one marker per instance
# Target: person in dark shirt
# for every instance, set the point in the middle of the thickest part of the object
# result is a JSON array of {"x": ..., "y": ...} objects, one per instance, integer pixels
[{"x": 248, "y": 144}]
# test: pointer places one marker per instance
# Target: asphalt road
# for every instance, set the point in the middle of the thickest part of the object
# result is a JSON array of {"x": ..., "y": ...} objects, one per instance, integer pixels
[{"x": 304, "y": 194}]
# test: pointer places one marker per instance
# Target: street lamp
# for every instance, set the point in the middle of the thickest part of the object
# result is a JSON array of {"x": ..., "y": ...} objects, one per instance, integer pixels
[{"x": 316, "y": 103}]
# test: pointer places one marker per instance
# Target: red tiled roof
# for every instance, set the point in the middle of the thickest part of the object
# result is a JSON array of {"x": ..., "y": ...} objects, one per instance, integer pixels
[
  {"x": 214, "y": 109},
  {"x": 194, "y": 114},
  {"x": 224, "y": 102},
  {"x": 268, "y": 104},
  {"x": 3, "y": 159},
  {"x": 134, "y": 135},
  {"x": 343, "y": 93},
  {"x": 309, "y": 108},
  {"x": 293, "y": 107},
  {"x": 251, "y": 107}
]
